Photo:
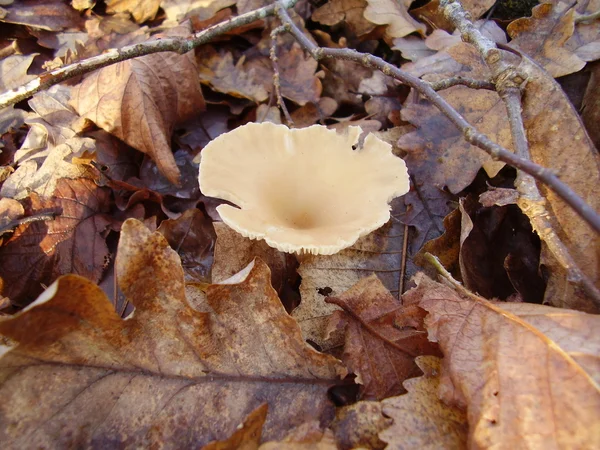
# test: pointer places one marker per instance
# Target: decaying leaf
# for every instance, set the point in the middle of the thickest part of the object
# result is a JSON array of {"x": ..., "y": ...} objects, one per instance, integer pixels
[
  {"x": 72, "y": 242},
  {"x": 51, "y": 15},
  {"x": 358, "y": 425},
  {"x": 382, "y": 338},
  {"x": 193, "y": 238},
  {"x": 543, "y": 38},
  {"x": 395, "y": 15},
  {"x": 420, "y": 419},
  {"x": 552, "y": 125},
  {"x": 141, "y": 11},
  {"x": 140, "y": 101},
  {"x": 169, "y": 376},
  {"x": 527, "y": 374},
  {"x": 349, "y": 11},
  {"x": 322, "y": 276}
]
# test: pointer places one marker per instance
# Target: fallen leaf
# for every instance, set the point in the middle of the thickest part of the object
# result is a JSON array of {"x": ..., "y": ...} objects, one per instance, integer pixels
[
  {"x": 177, "y": 10},
  {"x": 585, "y": 41},
  {"x": 51, "y": 15},
  {"x": 543, "y": 37},
  {"x": 438, "y": 155},
  {"x": 193, "y": 238},
  {"x": 169, "y": 375},
  {"x": 552, "y": 125},
  {"x": 13, "y": 73},
  {"x": 313, "y": 113},
  {"x": 348, "y": 11},
  {"x": 358, "y": 425},
  {"x": 308, "y": 436},
  {"x": 527, "y": 374},
  {"x": 382, "y": 338},
  {"x": 420, "y": 419},
  {"x": 141, "y": 11},
  {"x": 52, "y": 143},
  {"x": 322, "y": 276},
  {"x": 140, "y": 101},
  {"x": 395, "y": 15},
  {"x": 590, "y": 113},
  {"x": 433, "y": 15},
  {"x": 39, "y": 252},
  {"x": 247, "y": 435}
]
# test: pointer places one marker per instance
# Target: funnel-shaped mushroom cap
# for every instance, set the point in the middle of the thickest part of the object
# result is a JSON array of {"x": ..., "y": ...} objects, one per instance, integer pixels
[{"x": 302, "y": 190}]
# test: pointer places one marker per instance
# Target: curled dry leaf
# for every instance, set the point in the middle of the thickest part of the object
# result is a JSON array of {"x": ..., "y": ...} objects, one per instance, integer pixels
[
  {"x": 420, "y": 419},
  {"x": 395, "y": 15},
  {"x": 39, "y": 252},
  {"x": 140, "y": 101},
  {"x": 382, "y": 338},
  {"x": 169, "y": 376},
  {"x": 553, "y": 125},
  {"x": 543, "y": 38},
  {"x": 527, "y": 374}
]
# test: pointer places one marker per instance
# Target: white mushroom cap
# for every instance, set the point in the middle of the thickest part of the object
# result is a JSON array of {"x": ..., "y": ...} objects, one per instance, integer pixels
[{"x": 302, "y": 190}]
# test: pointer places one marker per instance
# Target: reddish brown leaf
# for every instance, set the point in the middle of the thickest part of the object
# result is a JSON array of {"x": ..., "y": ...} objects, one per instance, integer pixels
[
  {"x": 140, "y": 101},
  {"x": 39, "y": 252},
  {"x": 358, "y": 425},
  {"x": 248, "y": 434},
  {"x": 543, "y": 38},
  {"x": 421, "y": 419},
  {"x": 382, "y": 338},
  {"x": 348, "y": 11},
  {"x": 169, "y": 376},
  {"x": 193, "y": 238},
  {"x": 526, "y": 373},
  {"x": 52, "y": 15}
]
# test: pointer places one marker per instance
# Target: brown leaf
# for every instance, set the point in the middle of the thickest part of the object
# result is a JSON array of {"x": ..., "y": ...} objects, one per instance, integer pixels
[
  {"x": 382, "y": 338},
  {"x": 348, "y": 11},
  {"x": 141, "y": 11},
  {"x": 13, "y": 73},
  {"x": 553, "y": 125},
  {"x": 169, "y": 376},
  {"x": 395, "y": 15},
  {"x": 437, "y": 153},
  {"x": 590, "y": 113},
  {"x": 358, "y": 425},
  {"x": 177, "y": 10},
  {"x": 247, "y": 435},
  {"x": 193, "y": 238},
  {"x": 526, "y": 373},
  {"x": 379, "y": 252},
  {"x": 421, "y": 419},
  {"x": 39, "y": 252},
  {"x": 308, "y": 436},
  {"x": 140, "y": 101},
  {"x": 432, "y": 13},
  {"x": 51, "y": 15},
  {"x": 543, "y": 37}
]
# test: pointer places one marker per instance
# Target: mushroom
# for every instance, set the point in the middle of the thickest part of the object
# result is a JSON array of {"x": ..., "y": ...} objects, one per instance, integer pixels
[{"x": 302, "y": 190}]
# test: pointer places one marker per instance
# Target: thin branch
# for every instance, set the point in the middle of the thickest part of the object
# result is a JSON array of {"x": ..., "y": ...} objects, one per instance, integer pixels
[
  {"x": 592, "y": 16},
  {"x": 462, "y": 81},
  {"x": 8, "y": 227},
  {"x": 276, "y": 76},
  {"x": 470, "y": 133},
  {"x": 112, "y": 56}
]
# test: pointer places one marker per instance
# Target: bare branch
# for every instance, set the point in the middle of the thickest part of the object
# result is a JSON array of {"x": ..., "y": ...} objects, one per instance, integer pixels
[
  {"x": 112, "y": 56},
  {"x": 276, "y": 76},
  {"x": 470, "y": 133},
  {"x": 462, "y": 81}
]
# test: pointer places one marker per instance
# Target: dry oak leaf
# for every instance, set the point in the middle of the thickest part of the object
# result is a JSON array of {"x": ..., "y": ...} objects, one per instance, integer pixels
[
  {"x": 543, "y": 38},
  {"x": 169, "y": 376},
  {"x": 382, "y": 338},
  {"x": 140, "y": 101},
  {"x": 394, "y": 14},
  {"x": 553, "y": 125},
  {"x": 421, "y": 421},
  {"x": 348, "y": 11},
  {"x": 527, "y": 374},
  {"x": 437, "y": 151},
  {"x": 72, "y": 242},
  {"x": 141, "y": 11},
  {"x": 13, "y": 73},
  {"x": 180, "y": 10},
  {"x": 434, "y": 16},
  {"x": 379, "y": 252}
]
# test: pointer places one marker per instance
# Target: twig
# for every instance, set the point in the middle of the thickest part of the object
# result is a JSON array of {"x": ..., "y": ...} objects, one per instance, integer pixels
[
  {"x": 112, "y": 56},
  {"x": 470, "y": 134},
  {"x": 592, "y": 16},
  {"x": 35, "y": 218},
  {"x": 509, "y": 83},
  {"x": 276, "y": 78},
  {"x": 462, "y": 81}
]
